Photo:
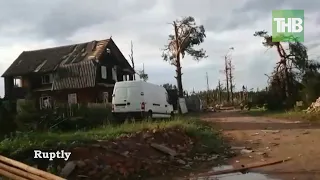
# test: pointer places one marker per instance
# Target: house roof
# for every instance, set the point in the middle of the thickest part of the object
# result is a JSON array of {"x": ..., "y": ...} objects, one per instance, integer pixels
[
  {"x": 75, "y": 76},
  {"x": 46, "y": 60}
]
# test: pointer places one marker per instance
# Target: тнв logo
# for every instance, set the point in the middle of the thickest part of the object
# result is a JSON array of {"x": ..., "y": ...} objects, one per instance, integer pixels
[{"x": 287, "y": 25}]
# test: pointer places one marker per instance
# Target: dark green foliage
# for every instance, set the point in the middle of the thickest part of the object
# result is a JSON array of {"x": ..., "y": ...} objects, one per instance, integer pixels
[
  {"x": 7, "y": 124},
  {"x": 168, "y": 86},
  {"x": 142, "y": 75}
]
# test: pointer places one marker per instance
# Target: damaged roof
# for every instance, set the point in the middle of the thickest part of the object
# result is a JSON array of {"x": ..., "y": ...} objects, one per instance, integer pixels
[
  {"x": 48, "y": 60},
  {"x": 75, "y": 76}
]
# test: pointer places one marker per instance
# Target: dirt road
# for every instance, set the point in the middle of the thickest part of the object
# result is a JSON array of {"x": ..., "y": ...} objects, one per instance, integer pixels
[{"x": 273, "y": 139}]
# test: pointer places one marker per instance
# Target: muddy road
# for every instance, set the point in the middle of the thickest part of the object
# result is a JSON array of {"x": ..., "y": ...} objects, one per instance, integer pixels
[{"x": 272, "y": 139}]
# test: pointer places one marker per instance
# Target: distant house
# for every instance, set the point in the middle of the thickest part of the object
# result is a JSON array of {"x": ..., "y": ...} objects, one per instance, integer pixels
[{"x": 78, "y": 73}]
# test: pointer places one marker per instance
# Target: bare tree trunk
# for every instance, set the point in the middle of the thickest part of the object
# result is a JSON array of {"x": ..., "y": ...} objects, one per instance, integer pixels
[
  {"x": 220, "y": 93},
  {"x": 227, "y": 79},
  {"x": 231, "y": 79},
  {"x": 207, "y": 78},
  {"x": 132, "y": 61},
  {"x": 178, "y": 65}
]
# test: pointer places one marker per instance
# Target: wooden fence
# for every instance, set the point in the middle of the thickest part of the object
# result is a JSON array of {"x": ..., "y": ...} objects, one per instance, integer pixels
[{"x": 72, "y": 110}]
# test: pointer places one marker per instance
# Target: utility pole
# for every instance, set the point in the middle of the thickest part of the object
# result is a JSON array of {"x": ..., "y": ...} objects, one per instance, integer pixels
[
  {"x": 143, "y": 67},
  {"x": 207, "y": 77}
]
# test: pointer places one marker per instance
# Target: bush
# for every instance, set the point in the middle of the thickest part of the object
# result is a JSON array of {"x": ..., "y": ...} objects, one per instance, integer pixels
[
  {"x": 7, "y": 124},
  {"x": 28, "y": 116},
  {"x": 63, "y": 117},
  {"x": 85, "y": 117}
]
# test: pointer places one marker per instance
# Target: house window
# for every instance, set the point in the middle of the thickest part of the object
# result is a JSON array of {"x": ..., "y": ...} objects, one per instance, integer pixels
[
  {"x": 114, "y": 74},
  {"x": 72, "y": 98},
  {"x": 105, "y": 96},
  {"x": 103, "y": 72},
  {"x": 47, "y": 79},
  {"x": 125, "y": 77},
  {"x": 17, "y": 82},
  {"x": 45, "y": 102}
]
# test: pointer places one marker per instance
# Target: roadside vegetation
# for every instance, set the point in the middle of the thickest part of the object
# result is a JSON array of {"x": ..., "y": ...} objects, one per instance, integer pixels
[
  {"x": 42, "y": 140},
  {"x": 296, "y": 115}
]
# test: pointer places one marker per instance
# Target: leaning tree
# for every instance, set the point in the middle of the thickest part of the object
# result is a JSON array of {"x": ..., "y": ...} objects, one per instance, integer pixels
[
  {"x": 187, "y": 34},
  {"x": 292, "y": 69}
]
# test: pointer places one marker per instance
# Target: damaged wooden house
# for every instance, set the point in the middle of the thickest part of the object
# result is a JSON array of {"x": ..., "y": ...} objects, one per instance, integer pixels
[{"x": 78, "y": 73}]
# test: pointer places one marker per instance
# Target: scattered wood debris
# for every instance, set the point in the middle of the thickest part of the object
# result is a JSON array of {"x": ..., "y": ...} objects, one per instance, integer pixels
[
  {"x": 164, "y": 149},
  {"x": 68, "y": 168},
  {"x": 246, "y": 151},
  {"x": 243, "y": 168},
  {"x": 237, "y": 148},
  {"x": 271, "y": 131}
]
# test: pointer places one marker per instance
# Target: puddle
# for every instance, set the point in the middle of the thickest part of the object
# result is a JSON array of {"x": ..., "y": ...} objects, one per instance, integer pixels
[
  {"x": 234, "y": 176},
  {"x": 230, "y": 176}
]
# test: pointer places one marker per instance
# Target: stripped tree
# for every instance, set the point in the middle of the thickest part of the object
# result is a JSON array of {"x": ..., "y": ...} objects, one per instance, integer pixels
[
  {"x": 132, "y": 61},
  {"x": 231, "y": 79},
  {"x": 186, "y": 35},
  {"x": 281, "y": 74},
  {"x": 293, "y": 71}
]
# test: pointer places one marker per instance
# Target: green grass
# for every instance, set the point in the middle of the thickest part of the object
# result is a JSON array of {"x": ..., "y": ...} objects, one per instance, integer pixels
[
  {"x": 291, "y": 115},
  {"x": 41, "y": 140}
]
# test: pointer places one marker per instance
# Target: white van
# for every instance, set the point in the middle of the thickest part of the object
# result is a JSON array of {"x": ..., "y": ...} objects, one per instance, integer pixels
[{"x": 140, "y": 99}]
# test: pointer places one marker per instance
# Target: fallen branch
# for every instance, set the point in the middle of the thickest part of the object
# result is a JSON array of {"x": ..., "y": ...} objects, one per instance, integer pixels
[
  {"x": 30, "y": 169},
  {"x": 20, "y": 172},
  {"x": 245, "y": 168}
]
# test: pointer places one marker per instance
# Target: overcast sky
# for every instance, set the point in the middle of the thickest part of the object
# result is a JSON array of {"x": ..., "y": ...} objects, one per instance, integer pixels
[{"x": 34, "y": 24}]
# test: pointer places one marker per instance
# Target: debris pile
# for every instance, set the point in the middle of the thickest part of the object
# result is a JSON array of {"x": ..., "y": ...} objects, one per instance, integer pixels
[
  {"x": 149, "y": 152},
  {"x": 314, "y": 107}
]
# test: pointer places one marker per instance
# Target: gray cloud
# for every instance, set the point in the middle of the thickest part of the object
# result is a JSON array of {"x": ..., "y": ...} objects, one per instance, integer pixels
[
  {"x": 66, "y": 17},
  {"x": 254, "y": 10}
]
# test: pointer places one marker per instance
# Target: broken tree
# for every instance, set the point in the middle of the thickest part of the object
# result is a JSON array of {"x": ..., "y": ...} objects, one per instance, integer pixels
[
  {"x": 132, "y": 60},
  {"x": 292, "y": 73},
  {"x": 186, "y": 35}
]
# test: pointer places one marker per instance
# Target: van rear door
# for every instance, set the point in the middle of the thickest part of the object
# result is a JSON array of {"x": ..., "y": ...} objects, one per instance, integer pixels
[
  {"x": 119, "y": 99},
  {"x": 135, "y": 98},
  {"x": 127, "y": 99}
]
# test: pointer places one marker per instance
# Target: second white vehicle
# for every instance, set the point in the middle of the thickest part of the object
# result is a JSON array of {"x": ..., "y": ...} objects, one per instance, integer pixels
[{"x": 140, "y": 99}]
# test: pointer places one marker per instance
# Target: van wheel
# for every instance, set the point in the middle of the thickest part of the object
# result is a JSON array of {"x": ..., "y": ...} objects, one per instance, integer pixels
[{"x": 149, "y": 115}]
